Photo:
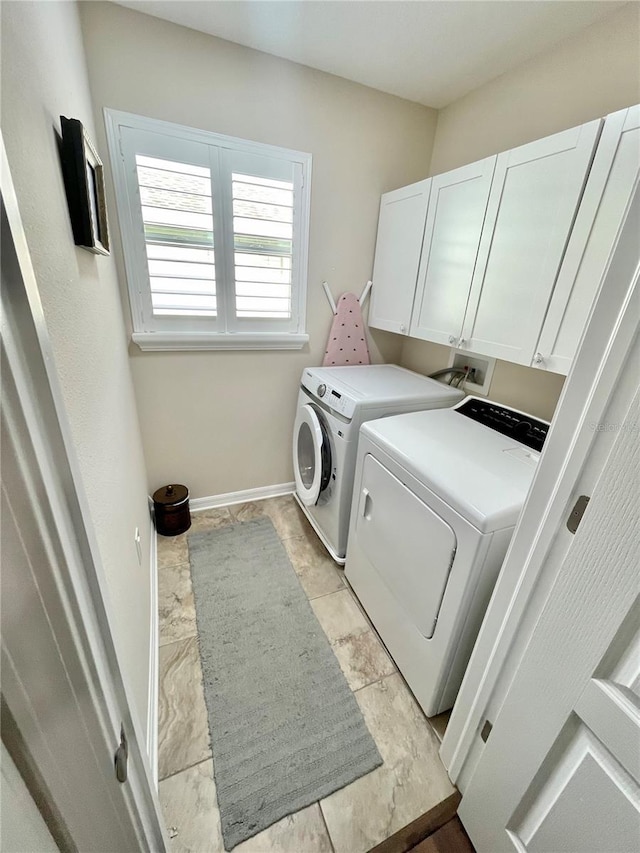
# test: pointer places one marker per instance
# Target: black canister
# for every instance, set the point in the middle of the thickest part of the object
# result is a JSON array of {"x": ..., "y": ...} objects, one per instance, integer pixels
[{"x": 171, "y": 505}]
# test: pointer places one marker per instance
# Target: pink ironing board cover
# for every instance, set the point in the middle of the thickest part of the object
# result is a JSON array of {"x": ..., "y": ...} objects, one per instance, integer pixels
[{"x": 347, "y": 342}]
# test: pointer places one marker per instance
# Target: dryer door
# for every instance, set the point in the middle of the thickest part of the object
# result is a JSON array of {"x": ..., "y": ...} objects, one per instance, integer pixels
[
  {"x": 311, "y": 455},
  {"x": 410, "y": 546}
]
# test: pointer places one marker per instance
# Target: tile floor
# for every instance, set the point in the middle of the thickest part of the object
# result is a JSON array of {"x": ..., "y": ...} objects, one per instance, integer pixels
[{"x": 352, "y": 820}]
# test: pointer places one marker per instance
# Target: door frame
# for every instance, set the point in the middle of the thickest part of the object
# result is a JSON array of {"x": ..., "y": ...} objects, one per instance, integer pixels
[
  {"x": 600, "y": 362},
  {"x": 81, "y": 580}
]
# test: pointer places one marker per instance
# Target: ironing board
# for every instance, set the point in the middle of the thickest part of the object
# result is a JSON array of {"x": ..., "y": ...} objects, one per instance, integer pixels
[{"x": 347, "y": 342}]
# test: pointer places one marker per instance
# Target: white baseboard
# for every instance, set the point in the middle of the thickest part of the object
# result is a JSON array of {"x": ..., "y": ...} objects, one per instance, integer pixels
[
  {"x": 259, "y": 494},
  {"x": 154, "y": 650}
]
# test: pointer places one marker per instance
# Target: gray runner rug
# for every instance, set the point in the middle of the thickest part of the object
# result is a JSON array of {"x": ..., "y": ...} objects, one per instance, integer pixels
[{"x": 286, "y": 729}]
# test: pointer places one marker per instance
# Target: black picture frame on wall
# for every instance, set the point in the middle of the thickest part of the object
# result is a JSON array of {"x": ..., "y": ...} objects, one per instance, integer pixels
[{"x": 84, "y": 184}]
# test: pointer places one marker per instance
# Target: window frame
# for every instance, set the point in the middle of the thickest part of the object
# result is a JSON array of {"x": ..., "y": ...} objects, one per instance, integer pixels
[{"x": 216, "y": 152}]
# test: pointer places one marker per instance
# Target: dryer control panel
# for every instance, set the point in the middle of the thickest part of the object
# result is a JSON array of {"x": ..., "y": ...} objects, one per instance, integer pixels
[{"x": 517, "y": 425}]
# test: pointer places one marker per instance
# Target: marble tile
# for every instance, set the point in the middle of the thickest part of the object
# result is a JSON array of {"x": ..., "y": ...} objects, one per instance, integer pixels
[
  {"x": 360, "y": 653},
  {"x": 210, "y": 519},
  {"x": 183, "y": 729},
  {"x": 247, "y": 511},
  {"x": 172, "y": 550},
  {"x": 318, "y": 573},
  {"x": 411, "y": 780},
  {"x": 176, "y": 608},
  {"x": 288, "y": 519},
  {"x": 440, "y": 723},
  {"x": 190, "y": 810},
  {"x": 302, "y": 832}
]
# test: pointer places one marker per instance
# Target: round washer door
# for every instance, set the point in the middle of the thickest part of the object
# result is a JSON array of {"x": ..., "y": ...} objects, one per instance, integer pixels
[{"x": 311, "y": 456}]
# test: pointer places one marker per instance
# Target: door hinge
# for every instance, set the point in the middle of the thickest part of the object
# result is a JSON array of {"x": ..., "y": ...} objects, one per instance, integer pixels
[
  {"x": 577, "y": 512},
  {"x": 121, "y": 758},
  {"x": 486, "y": 730}
]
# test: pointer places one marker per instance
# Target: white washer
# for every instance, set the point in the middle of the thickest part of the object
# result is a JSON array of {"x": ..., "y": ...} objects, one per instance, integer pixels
[
  {"x": 436, "y": 497},
  {"x": 333, "y": 402}
]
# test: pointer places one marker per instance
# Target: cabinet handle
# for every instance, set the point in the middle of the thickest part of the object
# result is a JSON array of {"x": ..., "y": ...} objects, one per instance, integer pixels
[
  {"x": 403, "y": 328},
  {"x": 538, "y": 358},
  {"x": 452, "y": 340},
  {"x": 461, "y": 342}
]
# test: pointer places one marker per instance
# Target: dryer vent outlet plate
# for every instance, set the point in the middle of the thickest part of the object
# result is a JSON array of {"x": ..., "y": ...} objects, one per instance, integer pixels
[{"x": 480, "y": 368}]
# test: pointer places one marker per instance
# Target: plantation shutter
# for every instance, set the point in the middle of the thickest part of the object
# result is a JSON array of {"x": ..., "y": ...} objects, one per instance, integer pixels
[
  {"x": 215, "y": 235},
  {"x": 261, "y": 192}
]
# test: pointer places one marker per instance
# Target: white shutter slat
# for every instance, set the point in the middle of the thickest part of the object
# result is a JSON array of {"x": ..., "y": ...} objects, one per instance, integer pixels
[
  {"x": 172, "y": 166},
  {"x": 182, "y": 285},
  {"x": 256, "y": 260},
  {"x": 257, "y": 210},
  {"x": 252, "y": 288},
  {"x": 175, "y": 200},
  {"x": 263, "y": 274},
  {"x": 181, "y": 269},
  {"x": 157, "y": 251},
  {"x": 262, "y": 228}
]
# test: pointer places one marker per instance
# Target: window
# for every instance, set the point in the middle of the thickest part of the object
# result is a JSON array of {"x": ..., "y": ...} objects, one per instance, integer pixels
[{"x": 214, "y": 232}]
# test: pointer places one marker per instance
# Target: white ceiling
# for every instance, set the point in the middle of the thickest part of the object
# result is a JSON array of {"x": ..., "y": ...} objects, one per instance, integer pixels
[{"x": 429, "y": 51}]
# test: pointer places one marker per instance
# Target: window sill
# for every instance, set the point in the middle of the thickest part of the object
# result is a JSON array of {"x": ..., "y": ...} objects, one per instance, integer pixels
[{"x": 167, "y": 341}]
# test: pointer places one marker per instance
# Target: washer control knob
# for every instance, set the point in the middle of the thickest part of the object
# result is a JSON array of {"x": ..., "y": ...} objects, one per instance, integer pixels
[{"x": 322, "y": 390}]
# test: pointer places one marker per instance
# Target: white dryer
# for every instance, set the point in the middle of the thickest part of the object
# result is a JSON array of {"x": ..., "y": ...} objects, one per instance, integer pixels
[
  {"x": 333, "y": 402},
  {"x": 436, "y": 497}
]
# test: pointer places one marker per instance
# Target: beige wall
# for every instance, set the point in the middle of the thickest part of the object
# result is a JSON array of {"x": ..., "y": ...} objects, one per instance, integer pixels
[
  {"x": 222, "y": 421},
  {"x": 44, "y": 76},
  {"x": 588, "y": 75}
]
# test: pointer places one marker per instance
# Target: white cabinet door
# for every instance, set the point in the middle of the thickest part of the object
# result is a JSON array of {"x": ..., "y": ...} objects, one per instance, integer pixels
[
  {"x": 398, "y": 248},
  {"x": 535, "y": 192},
  {"x": 614, "y": 174},
  {"x": 457, "y": 208},
  {"x": 561, "y": 768}
]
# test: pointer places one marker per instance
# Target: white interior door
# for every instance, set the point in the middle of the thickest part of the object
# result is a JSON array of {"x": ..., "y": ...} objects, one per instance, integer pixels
[
  {"x": 535, "y": 192},
  {"x": 22, "y": 827},
  {"x": 457, "y": 207},
  {"x": 561, "y": 767},
  {"x": 64, "y": 700},
  {"x": 398, "y": 250}
]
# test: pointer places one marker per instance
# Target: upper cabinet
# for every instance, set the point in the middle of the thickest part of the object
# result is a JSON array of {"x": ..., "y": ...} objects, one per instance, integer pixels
[
  {"x": 455, "y": 216},
  {"x": 398, "y": 249},
  {"x": 614, "y": 175},
  {"x": 505, "y": 257},
  {"x": 535, "y": 193}
]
